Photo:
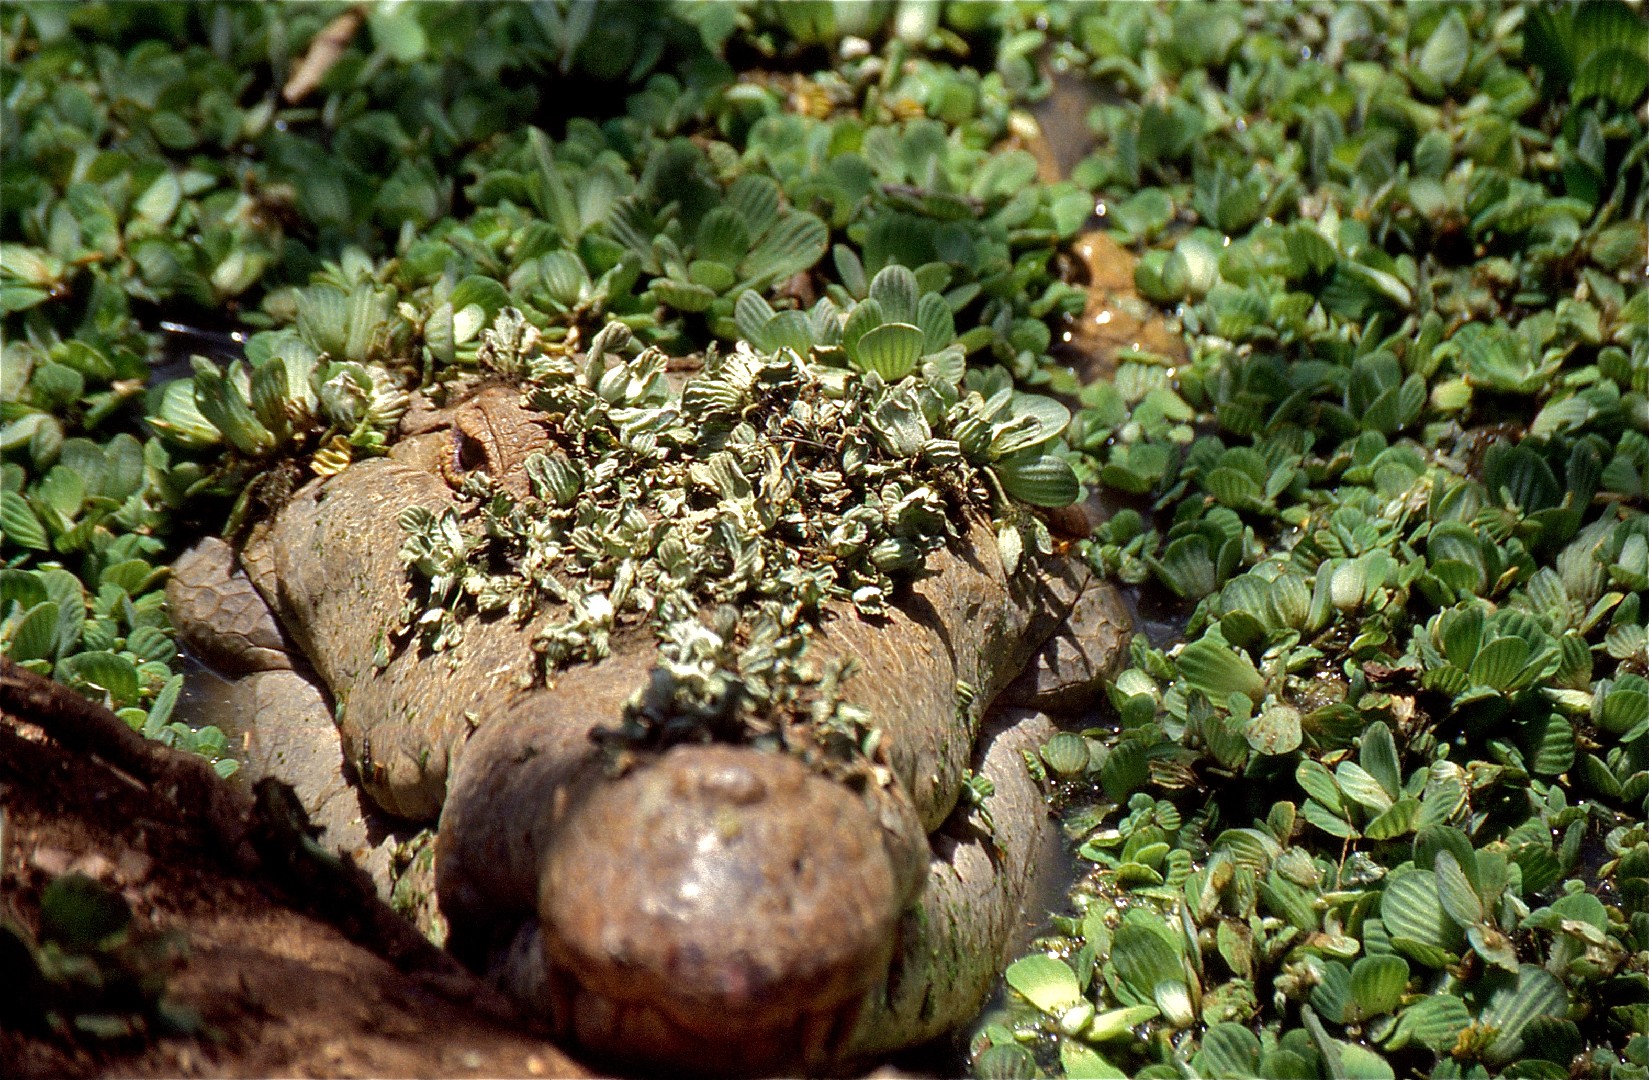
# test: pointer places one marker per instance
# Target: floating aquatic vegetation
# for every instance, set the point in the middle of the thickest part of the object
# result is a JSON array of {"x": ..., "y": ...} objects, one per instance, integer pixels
[
  {"x": 765, "y": 487},
  {"x": 1394, "y": 481}
]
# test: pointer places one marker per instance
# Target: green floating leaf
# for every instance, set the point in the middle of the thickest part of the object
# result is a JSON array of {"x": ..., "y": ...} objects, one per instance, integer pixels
[
  {"x": 1143, "y": 959},
  {"x": 1041, "y": 481},
  {"x": 1081, "y": 1063},
  {"x": 1412, "y": 912},
  {"x": 18, "y": 524},
  {"x": 1434, "y": 1022},
  {"x": 1005, "y": 1061},
  {"x": 1377, "y": 984},
  {"x": 1534, "y": 993},
  {"x": 1219, "y": 670},
  {"x": 1045, "y": 982},
  {"x": 1400, "y": 820},
  {"x": 1442, "y": 59},
  {"x": 102, "y": 670},
  {"x": 1229, "y": 1052},
  {"x": 896, "y": 290},
  {"x": 794, "y": 244},
  {"x": 1276, "y": 730},
  {"x": 1066, "y": 752},
  {"x": 890, "y": 350},
  {"x": 1332, "y": 994},
  {"x": 35, "y": 635},
  {"x": 78, "y": 913},
  {"x": 1361, "y": 788},
  {"x": 1616, "y": 75},
  {"x": 682, "y": 295},
  {"x": 1319, "y": 783},
  {"x": 1500, "y": 663},
  {"x": 1378, "y": 756}
]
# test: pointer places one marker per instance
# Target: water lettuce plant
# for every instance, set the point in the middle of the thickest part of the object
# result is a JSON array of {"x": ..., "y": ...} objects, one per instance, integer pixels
[
  {"x": 1378, "y": 811},
  {"x": 1394, "y": 488}
]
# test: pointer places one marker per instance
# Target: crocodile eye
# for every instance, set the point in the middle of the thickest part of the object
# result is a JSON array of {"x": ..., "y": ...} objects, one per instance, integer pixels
[{"x": 468, "y": 453}]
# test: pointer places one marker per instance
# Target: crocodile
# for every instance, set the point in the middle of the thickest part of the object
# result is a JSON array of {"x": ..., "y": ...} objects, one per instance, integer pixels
[{"x": 723, "y": 908}]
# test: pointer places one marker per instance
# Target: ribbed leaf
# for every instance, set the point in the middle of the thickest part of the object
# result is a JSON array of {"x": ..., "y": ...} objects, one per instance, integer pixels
[
  {"x": 1410, "y": 909},
  {"x": 35, "y": 635},
  {"x": 18, "y": 523},
  {"x": 752, "y": 313},
  {"x": 1051, "y": 418},
  {"x": 182, "y": 421},
  {"x": 1041, "y": 481},
  {"x": 1378, "y": 756},
  {"x": 368, "y": 323},
  {"x": 1229, "y": 1052},
  {"x": 323, "y": 319},
  {"x": 723, "y": 236},
  {"x": 851, "y": 271},
  {"x": 1460, "y": 630},
  {"x": 1276, "y": 730},
  {"x": 1219, "y": 671},
  {"x": 1400, "y": 820},
  {"x": 1499, "y": 663},
  {"x": 789, "y": 330},
  {"x": 1550, "y": 741},
  {"x": 715, "y": 276},
  {"x": 1377, "y": 984},
  {"x": 269, "y": 386},
  {"x": 1319, "y": 783},
  {"x": 891, "y": 350},
  {"x": 936, "y": 321},
  {"x": 1066, "y": 753},
  {"x": 865, "y": 317},
  {"x": 122, "y": 474},
  {"x": 682, "y": 295},
  {"x": 1045, "y": 982},
  {"x": 1234, "y": 488},
  {"x": 1535, "y": 993},
  {"x": 1618, "y": 75},
  {"x": 1456, "y": 893},
  {"x": 218, "y": 396},
  {"x": 895, "y": 288},
  {"x": 755, "y": 198},
  {"x": 1327, "y": 820},
  {"x": 1434, "y": 1022},
  {"x": 1493, "y": 946},
  {"x": 1142, "y": 959},
  {"x": 1361, "y": 788},
  {"x": 22, "y": 587},
  {"x": 1332, "y": 994},
  {"x": 106, "y": 671},
  {"x": 1443, "y": 57},
  {"x": 794, "y": 244},
  {"x": 564, "y": 276}
]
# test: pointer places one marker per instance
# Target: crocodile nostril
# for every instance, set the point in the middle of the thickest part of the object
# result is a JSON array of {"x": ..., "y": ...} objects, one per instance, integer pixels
[
  {"x": 749, "y": 898},
  {"x": 733, "y": 782}
]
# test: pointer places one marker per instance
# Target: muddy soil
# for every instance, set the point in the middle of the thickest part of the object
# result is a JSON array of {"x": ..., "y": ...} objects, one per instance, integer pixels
[{"x": 287, "y": 980}]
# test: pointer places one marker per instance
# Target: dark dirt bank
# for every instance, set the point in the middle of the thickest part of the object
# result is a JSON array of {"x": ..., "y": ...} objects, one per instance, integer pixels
[{"x": 293, "y": 966}]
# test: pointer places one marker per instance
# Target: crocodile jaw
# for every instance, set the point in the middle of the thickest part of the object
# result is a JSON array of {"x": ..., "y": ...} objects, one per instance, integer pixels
[{"x": 754, "y": 906}]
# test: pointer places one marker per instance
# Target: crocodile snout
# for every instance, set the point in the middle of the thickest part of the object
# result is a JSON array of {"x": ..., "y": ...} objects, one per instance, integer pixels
[{"x": 723, "y": 908}]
